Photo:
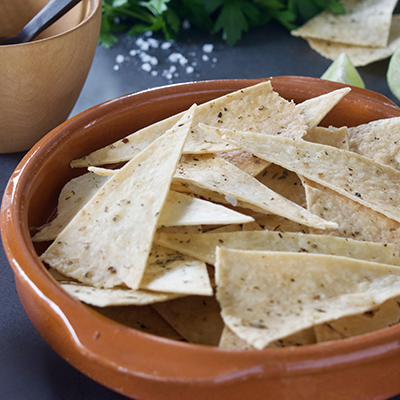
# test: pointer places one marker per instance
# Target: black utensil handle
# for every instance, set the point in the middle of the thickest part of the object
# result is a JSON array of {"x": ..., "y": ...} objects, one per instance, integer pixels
[{"x": 50, "y": 13}]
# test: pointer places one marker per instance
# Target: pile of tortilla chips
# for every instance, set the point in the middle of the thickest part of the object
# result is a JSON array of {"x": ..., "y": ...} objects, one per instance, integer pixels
[
  {"x": 367, "y": 32},
  {"x": 239, "y": 223}
]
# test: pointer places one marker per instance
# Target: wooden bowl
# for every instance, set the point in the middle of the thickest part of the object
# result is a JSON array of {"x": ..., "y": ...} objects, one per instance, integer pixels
[
  {"x": 40, "y": 81},
  {"x": 143, "y": 366}
]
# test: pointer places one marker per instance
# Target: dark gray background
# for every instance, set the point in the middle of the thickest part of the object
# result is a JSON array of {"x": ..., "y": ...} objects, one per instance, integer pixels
[{"x": 29, "y": 368}]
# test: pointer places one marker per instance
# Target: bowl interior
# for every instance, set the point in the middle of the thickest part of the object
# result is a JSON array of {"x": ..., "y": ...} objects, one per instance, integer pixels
[
  {"x": 14, "y": 14},
  {"x": 32, "y": 195}
]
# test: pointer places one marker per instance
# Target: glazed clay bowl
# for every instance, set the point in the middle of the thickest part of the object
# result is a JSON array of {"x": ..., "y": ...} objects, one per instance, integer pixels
[
  {"x": 40, "y": 81},
  {"x": 143, "y": 366}
]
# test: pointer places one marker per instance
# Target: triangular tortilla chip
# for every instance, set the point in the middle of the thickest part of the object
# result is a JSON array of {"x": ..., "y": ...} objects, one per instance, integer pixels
[
  {"x": 256, "y": 108},
  {"x": 378, "y": 140},
  {"x": 266, "y": 296},
  {"x": 365, "y": 23},
  {"x": 336, "y": 137},
  {"x": 369, "y": 183},
  {"x": 196, "y": 318},
  {"x": 315, "y": 109},
  {"x": 108, "y": 241},
  {"x": 203, "y": 246},
  {"x": 181, "y": 209},
  {"x": 74, "y": 195},
  {"x": 231, "y": 341},
  {"x": 172, "y": 272},
  {"x": 142, "y": 318},
  {"x": 284, "y": 182},
  {"x": 247, "y": 162},
  {"x": 354, "y": 220},
  {"x": 213, "y": 173},
  {"x": 272, "y": 222},
  {"x": 359, "y": 55},
  {"x": 387, "y": 314},
  {"x": 117, "y": 296}
]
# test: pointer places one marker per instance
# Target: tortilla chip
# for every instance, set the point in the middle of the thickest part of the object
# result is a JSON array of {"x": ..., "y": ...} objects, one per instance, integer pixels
[
  {"x": 272, "y": 222},
  {"x": 213, "y": 173},
  {"x": 143, "y": 318},
  {"x": 359, "y": 55},
  {"x": 104, "y": 245},
  {"x": 74, "y": 195},
  {"x": 231, "y": 341},
  {"x": 378, "y": 140},
  {"x": 365, "y": 23},
  {"x": 354, "y": 220},
  {"x": 315, "y": 109},
  {"x": 256, "y": 108},
  {"x": 284, "y": 182},
  {"x": 116, "y": 296},
  {"x": 247, "y": 162},
  {"x": 196, "y": 318},
  {"x": 203, "y": 247},
  {"x": 181, "y": 209},
  {"x": 336, "y": 137},
  {"x": 172, "y": 272},
  {"x": 387, "y": 314},
  {"x": 190, "y": 229},
  {"x": 288, "y": 292},
  {"x": 363, "y": 180}
]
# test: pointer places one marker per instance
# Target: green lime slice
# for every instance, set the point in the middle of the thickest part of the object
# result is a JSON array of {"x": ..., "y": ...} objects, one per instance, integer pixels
[
  {"x": 393, "y": 74},
  {"x": 342, "y": 70}
]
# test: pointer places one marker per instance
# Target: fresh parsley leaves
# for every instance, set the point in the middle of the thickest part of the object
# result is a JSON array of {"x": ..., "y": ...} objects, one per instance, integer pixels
[{"x": 231, "y": 18}]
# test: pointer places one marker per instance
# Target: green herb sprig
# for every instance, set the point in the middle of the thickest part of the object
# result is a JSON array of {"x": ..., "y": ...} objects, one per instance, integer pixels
[{"x": 230, "y": 18}]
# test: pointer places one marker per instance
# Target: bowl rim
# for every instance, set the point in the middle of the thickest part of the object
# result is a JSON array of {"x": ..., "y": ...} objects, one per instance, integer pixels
[
  {"x": 316, "y": 359},
  {"x": 95, "y": 8}
]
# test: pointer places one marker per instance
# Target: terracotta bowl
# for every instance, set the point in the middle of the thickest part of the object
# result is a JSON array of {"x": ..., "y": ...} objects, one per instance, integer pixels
[
  {"x": 143, "y": 366},
  {"x": 40, "y": 81}
]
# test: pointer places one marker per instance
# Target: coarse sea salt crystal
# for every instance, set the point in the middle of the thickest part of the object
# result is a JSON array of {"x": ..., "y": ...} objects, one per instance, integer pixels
[
  {"x": 208, "y": 48},
  {"x": 133, "y": 52},
  {"x": 142, "y": 44},
  {"x": 146, "y": 67},
  {"x": 189, "y": 69},
  {"x": 119, "y": 59},
  {"x": 154, "y": 73},
  {"x": 154, "y": 43},
  {"x": 205, "y": 57},
  {"x": 166, "y": 45},
  {"x": 116, "y": 67},
  {"x": 231, "y": 200}
]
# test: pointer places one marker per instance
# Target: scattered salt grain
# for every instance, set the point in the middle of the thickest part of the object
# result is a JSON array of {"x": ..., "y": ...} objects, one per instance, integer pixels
[
  {"x": 205, "y": 57},
  {"x": 208, "y": 48},
  {"x": 189, "y": 69},
  {"x": 177, "y": 58},
  {"x": 154, "y": 43},
  {"x": 133, "y": 52},
  {"x": 116, "y": 67},
  {"x": 119, "y": 59},
  {"x": 166, "y": 45},
  {"x": 231, "y": 200},
  {"x": 154, "y": 73},
  {"x": 142, "y": 44},
  {"x": 146, "y": 67}
]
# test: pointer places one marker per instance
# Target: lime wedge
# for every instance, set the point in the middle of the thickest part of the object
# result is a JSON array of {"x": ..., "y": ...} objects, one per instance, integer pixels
[
  {"x": 393, "y": 74},
  {"x": 342, "y": 70}
]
